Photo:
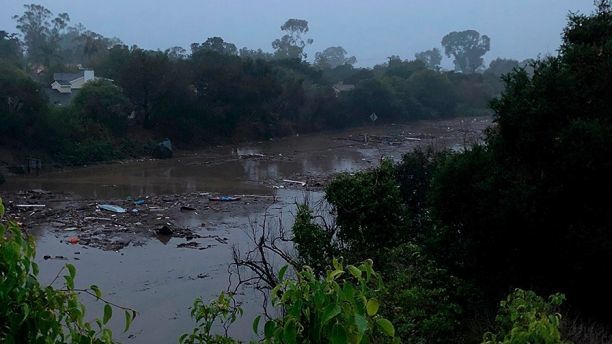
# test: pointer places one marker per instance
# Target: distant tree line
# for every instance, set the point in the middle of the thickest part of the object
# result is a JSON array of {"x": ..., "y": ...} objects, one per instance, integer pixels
[{"x": 216, "y": 92}]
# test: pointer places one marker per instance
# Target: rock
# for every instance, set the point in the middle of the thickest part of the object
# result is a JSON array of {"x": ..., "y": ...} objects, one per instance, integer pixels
[
  {"x": 189, "y": 244},
  {"x": 164, "y": 230}
]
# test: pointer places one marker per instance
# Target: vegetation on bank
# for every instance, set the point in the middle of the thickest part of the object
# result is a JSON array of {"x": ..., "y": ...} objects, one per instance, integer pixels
[
  {"x": 341, "y": 306},
  {"x": 217, "y": 92},
  {"x": 452, "y": 233}
]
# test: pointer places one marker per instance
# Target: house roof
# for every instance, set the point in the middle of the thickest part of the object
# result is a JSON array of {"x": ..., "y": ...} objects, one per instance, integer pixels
[
  {"x": 67, "y": 77},
  {"x": 63, "y": 82}
]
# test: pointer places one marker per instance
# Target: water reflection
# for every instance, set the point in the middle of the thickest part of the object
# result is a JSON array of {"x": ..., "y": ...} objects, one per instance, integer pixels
[{"x": 243, "y": 169}]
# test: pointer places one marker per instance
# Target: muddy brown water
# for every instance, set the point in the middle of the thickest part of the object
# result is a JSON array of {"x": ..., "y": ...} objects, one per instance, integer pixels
[{"x": 160, "y": 280}]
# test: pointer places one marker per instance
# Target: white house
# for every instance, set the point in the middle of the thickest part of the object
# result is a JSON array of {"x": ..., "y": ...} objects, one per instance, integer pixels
[{"x": 66, "y": 82}]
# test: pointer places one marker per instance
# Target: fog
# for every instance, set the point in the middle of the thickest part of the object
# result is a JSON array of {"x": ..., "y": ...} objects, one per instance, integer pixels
[{"x": 370, "y": 30}]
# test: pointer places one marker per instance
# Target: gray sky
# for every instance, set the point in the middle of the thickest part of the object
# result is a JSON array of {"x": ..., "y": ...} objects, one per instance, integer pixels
[{"x": 370, "y": 30}]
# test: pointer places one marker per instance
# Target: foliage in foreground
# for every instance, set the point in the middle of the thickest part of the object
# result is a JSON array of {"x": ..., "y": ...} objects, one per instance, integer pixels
[
  {"x": 340, "y": 307},
  {"x": 525, "y": 317},
  {"x": 33, "y": 313},
  {"x": 205, "y": 315},
  {"x": 344, "y": 306}
]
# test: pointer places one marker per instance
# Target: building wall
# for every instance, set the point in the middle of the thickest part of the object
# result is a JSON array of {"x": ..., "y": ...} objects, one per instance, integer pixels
[{"x": 88, "y": 75}]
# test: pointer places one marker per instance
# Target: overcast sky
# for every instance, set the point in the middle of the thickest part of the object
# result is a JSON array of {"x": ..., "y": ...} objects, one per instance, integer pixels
[{"x": 371, "y": 30}]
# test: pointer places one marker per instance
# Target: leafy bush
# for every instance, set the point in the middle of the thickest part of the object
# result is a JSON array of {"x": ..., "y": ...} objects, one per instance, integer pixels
[
  {"x": 525, "y": 317},
  {"x": 205, "y": 316},
  {"x": 413, "y": 174},
  {"x": 315, "y": 245},
  {"x": 423, "y": 300},
  {"x": 370, "y": 214},
  {"x": 340, "y": 307},
  {"x": 33, "y": 313},
  {"x": 103, "y": 103},
  {"x": 22, "y": 102},
  {"x": 88, "y": 151}
]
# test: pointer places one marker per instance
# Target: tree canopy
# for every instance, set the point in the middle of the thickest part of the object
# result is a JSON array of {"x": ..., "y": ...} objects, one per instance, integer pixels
[
  {"x": 431, "y": 58},
  {"x": 467, "y": 48},
  {"x": 291, "y": 45},
  {"x": 333, "y": 57}
]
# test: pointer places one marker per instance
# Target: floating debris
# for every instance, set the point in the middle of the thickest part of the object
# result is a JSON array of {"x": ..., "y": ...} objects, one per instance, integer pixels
[
  {"x": 113, "y": 208},
  {"x": 31, "y": 205},
  {"x": 224, "y": 199},
  {"x": 294, "y": 182}
]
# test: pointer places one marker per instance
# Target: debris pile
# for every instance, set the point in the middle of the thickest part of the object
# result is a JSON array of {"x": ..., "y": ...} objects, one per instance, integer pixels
[{"x": 115, "y": 224}]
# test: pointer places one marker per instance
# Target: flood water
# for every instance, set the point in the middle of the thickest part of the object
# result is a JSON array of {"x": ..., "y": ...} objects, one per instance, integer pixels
[{"x": 160, "y": 280}]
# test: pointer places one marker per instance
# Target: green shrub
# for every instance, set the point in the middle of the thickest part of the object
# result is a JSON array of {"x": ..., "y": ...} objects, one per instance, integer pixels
[
  {"x": 340, "y": 307},
  {"x": 33, "y": 313},
  {"x": 103, "y": 103},
  {"x": 205, "y": 316},
  {"x": 314, "y": 244},
  {"x": 525, "y": 317},
  {"x": 370, "y": 214},
  {"x": 88, "y": 151},
  {"x": 423, "y": 299}
]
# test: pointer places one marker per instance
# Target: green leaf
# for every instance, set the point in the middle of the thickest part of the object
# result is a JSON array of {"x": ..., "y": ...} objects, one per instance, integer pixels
[
  {"x": 338, "y": 335},
  {"x": 282, "y": 272},
  {"x": 337, "y": 265},
  {"x": 362, "y": 324},
  {"x": 290, "y": 332},
  {"x": 26, "y": 312},
  {"x": 269, "y": 328},
  {"x": 354, "y": 271},
  {"x": 128, "y": 321},
  {"x": 348, "y": 291},
  {"x": 1, "y": 209},
  {"x": 372, "y": 307},
  {"x": 334, "y": 274},
  {"x": 107, "y": 336},
  {"x": 256, "y": 324},
  {"x": 71, "y": 270},
  {"x": 96, "y": 290},
  {"x": 108, "y": 313},
  {"x": 331, "y": 311},
  {"x": 386, "y": 326}
]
